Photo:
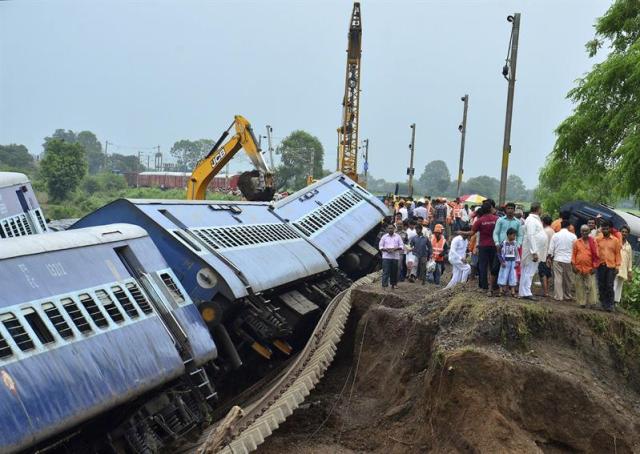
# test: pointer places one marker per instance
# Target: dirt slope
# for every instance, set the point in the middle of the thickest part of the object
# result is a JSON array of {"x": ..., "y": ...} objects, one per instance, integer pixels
[{"x": 455, "y": 371}]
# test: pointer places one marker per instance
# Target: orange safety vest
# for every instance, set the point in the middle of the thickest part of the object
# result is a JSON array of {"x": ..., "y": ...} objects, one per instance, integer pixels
[{"x": 438, "y": 247}]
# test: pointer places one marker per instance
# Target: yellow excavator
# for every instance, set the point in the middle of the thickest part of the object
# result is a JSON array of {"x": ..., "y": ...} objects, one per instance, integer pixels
[{"x": 255, "y": 185}]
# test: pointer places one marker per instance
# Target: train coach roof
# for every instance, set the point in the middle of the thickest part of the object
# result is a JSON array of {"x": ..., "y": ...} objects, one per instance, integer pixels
[
  {"x": 12, "y": 178},
  {"x": 37, "y": 244}
]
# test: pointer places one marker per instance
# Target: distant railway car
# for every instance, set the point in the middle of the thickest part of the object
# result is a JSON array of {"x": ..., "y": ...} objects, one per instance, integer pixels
[
  {"x": 94, "y": 323},
  {"x": 20, "y": 213},
  {"x": 177, "y": 180},
  {"x": 260, "y": 272}
]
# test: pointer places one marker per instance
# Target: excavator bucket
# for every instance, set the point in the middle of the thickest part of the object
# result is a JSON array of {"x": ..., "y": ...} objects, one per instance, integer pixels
[{"x": 249, "y": 183}]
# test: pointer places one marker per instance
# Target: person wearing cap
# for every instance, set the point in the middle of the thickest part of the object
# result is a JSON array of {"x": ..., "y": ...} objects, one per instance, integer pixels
[{"x": 440, "y": 249}]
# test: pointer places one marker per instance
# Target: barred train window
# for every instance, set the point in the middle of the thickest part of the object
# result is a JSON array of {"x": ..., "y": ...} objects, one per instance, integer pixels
[
  {"x": 58, "y": 321},
  {"x": 93, "y": 310},
  {"x": 38, "y": 326},
  {"x": 125, "y": 302},
  {"x": 17, "y": 332},
  {"x": 110, "y": 306},
  {"x": 76, "y": 315},
  {"x": 5, "y": 350},
  {"x": 139, "y": 297},
  {"x": 173, "y": 288}
]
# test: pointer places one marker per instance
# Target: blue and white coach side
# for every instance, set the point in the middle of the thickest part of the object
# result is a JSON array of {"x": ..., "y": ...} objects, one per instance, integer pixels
[
  {"x": 260, "y": 272},
  {"x": 92, "y": 320},
  {"x": 20, "y": 213}
]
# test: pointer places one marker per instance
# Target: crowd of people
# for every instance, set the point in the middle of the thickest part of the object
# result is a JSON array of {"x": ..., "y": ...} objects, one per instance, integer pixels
[{"x": 504, "y": 250}]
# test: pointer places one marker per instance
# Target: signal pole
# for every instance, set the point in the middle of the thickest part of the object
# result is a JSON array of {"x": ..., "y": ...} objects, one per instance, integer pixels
[
  {"x": 463, "y": 130},
  {"x": 410, "y": 169},
  {"x": 269, "y": 131},
  {"x": 509, "y": 73}
]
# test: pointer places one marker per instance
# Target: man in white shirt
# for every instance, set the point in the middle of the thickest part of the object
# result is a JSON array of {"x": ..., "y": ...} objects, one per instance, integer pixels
[
  {"x": 421, "y": 211},
  {"x": 534, "y": 246},
  {"x": 560, "y": 250},
  {"x": 458, "y": 257},
  {"x": 402, "y": 209}
]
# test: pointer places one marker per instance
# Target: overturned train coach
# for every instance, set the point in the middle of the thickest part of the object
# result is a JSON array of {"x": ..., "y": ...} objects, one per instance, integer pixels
[
  {"x": 225, "y": 292},
  {"x": 20, "y": 213}
]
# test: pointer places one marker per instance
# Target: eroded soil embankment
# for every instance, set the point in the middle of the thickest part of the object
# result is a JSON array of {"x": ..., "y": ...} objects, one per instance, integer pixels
[{"x": 459, "y": 372}]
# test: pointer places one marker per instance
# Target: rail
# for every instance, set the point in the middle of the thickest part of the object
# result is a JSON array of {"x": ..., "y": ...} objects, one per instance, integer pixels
[{"x": 243, "y": 430}]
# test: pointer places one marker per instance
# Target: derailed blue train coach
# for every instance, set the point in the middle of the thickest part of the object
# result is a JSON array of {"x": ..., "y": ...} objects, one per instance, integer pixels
[{"x": 231, "y": 289}]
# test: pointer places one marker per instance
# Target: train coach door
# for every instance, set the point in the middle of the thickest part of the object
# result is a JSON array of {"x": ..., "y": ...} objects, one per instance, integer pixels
[
  {"x": 196, "y": 374},
  {"x": 137, "y": 270}
]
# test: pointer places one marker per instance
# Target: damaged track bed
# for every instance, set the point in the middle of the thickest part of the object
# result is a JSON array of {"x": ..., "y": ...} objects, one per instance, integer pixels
[{"x": 243, "y": 430}]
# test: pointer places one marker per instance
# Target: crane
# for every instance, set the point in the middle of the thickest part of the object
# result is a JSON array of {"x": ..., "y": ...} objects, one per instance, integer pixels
[
  {"x": 255, "y": 185},
  {"x": 348, "y": 131}
]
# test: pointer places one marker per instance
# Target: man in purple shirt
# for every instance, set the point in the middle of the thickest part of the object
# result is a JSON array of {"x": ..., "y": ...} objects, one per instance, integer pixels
[{"x": 390, "y": 245}]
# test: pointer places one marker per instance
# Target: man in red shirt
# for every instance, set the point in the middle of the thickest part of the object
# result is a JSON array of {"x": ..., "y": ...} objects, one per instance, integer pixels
[{"x": 487, "y": 256}]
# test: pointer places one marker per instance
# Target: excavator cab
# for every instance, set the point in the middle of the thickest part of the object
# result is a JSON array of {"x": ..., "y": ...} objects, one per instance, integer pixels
[{"x": 255, "y": 185}]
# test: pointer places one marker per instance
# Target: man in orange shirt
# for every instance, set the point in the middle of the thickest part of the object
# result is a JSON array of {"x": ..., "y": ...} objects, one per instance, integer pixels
[
  {"x": 610, "y": 260},
  {"x": 557, "y": 224},
  {"x": 584, "y": 260}
]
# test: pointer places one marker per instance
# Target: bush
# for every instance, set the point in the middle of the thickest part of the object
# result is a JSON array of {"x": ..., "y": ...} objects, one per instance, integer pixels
[{"x": 631, "y": 294}]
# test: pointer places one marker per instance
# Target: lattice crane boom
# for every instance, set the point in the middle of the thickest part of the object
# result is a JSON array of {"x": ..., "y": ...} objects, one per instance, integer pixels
[{"x": 348, "y": 131}]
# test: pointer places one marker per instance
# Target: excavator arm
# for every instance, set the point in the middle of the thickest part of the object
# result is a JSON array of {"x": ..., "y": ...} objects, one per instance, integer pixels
[{"x": 256, "y": 185}]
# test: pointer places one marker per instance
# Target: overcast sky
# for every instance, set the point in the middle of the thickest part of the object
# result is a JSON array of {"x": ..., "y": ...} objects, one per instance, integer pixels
[{"x": 146, "y": 73}]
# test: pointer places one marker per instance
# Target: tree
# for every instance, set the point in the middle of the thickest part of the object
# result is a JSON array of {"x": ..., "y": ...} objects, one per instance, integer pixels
[
  {"x": 15, "y": 157},
  {"x": 94, "y": 153},
  {"x": 435, "y": 178},
  {"x": 483, "y": 185},
  {"x": 596, "y": 156},
  {"x": 120, "y": 163},
  {"x": 516, "y": 190},
  {"x": 302, "y": 155},
  {"x": 63, "y": 167},
  {"x": 189, "y": 152}
]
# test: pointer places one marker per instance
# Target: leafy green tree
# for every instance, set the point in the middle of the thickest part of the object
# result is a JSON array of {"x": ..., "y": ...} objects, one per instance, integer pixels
[
  {"x": 63, "y": 167},
  {"x": 16, "y": 157},
  {"x": 187, "y": 153},
  {"x": 94, "y": 152},
  {"x": 435, "y": 178},
  {"x": 596, "y": 156},
  {"x": 301, "y": 154},
  {"x": 516, "y": 190},
  {"x": 124, "y": 163}
]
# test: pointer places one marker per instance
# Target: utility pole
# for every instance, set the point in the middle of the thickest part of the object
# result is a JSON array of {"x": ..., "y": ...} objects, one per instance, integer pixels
[
  {"x": 366, "y": 160},
  {"x": 269, "y": 131},
  {"x": 509, "y": 73},
  {"x": 463, "y": 130},
  {"x": 410, "y": 169}
]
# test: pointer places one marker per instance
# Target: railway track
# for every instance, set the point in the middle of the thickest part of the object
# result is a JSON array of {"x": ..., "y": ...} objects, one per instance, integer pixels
[{"x": 244, "y": 429}]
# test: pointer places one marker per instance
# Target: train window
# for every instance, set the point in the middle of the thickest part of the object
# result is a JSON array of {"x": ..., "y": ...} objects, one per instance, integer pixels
[
  {"x": 110, "y": 306},
  {"x": 125, "y": 302},
  {"x": 16, "y": 330},
  {"x": 59, "y": 323},
  {"x": 177, "y": 295},
  {"x": 5, "y": 350},
  {"x": 76, "y": 315},
  {"x": 37, "y": 325},
  {"x": 93, "y": 310},
  {"x": 139, "y": 297}
]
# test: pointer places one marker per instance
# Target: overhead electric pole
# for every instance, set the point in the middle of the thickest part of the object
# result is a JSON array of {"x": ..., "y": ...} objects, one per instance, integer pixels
[
  {"x": 410, "y": 169},
  {"x": 509, "y": 73},
  {"x": 463, "y": 130},
  {"x": 366, "y": 159},
  {"x": 269, "y": 131}
]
